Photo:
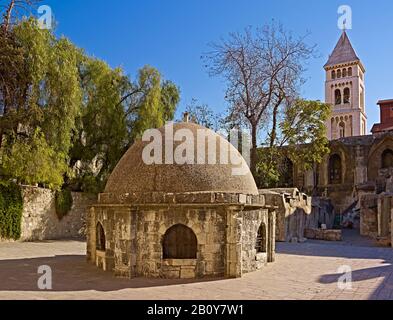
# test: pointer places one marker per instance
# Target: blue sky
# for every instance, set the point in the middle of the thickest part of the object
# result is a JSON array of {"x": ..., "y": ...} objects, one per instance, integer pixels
[{"x": 171, "y": 35}]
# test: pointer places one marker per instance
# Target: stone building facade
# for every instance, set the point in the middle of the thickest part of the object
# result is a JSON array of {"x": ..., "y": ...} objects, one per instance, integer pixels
[
  {"x": 181, "y": 220},
  {"x": 355, "y": 166},
  {"x": 356, "y": 176}
]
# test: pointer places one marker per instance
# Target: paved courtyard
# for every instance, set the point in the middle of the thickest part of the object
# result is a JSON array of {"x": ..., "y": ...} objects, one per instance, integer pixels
[{"x": 302, "y": 271}]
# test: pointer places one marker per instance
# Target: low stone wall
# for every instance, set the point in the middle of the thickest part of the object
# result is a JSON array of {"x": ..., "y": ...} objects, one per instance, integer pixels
[
  {"x": 40, "y": 221},
  {"x": 322, "y": 212},
  {"x": 321, "y": 234},
  {"x": 369, "y": 215},
  {"x": 292, "y": 210}
]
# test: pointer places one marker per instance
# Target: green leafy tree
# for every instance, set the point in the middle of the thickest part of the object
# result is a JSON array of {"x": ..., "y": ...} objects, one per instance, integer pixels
[
  {"x": 153, "y": 102},
  {"x": 300, "y": 138},
  {"x": 71, "y": 116},
  {"x": 30, "y": 160},
  {"x": 46, "y": 97},
  {"x": 101, "y": 135},
  {"x": 115, "y": 112}
]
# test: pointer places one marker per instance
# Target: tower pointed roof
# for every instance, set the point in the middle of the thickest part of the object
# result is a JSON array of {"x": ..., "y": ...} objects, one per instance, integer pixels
[{"x": 343, "y": 52}]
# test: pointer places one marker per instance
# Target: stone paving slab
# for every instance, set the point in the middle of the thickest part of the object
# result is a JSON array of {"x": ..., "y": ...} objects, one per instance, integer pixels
[{"x": 307, "y": 271}]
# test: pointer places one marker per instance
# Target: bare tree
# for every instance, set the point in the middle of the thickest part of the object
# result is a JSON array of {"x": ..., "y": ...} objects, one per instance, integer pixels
[
  {"x": 13, "y": 9},
  {"x": 263, "y": 70}
]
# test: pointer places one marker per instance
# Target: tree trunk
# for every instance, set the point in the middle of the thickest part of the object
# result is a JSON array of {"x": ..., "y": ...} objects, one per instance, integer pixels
[
  {"x": 7, "y": 18},
  {"x": 254, "y": 153}
]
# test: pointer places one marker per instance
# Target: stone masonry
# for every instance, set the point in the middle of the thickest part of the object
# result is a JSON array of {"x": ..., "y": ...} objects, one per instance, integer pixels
[{"x": 40, "y": 221}]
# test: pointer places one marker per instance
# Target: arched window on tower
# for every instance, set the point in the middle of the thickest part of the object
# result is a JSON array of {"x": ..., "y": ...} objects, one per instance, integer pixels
[
  {"x": 344, "y": 73},
  {"x": 335, "y": 169},
  {"x": 350, "y": 72},
  {"x": 100, "y": 238},
  {"x": 179, "y": 242},
  {"x": 339, "y": 73},
  {"x": 261, "y": 243},
  {"x": 347, "y": 95},
  {"x": 333, "y": 74},
  {"x": 341, "y": 128},
  {"x": 387, "y": 159},
  {"x": 337, "y": 97}
]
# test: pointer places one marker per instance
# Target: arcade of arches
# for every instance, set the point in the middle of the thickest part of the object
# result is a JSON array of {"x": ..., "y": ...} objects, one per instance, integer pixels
[{"x": 355, "y": 176}]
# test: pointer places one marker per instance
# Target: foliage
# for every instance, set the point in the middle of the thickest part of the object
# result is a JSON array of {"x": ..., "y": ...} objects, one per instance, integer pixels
[
  {"x": 11, "y": 207},
  {"x": 101, "y": 135},
  {"x": 67, "y": 117},
  {"x": 31, "y": 160},
  {"x": 63, "y": 202},
  {"x": 300, "y": 139},
  {"x": 39, "y": 120},
  {"x": 304, "y": 130},
  {"x": 153, "y": 104},
  {"x": 203, "y": 115},
  {"x": 262, "y": 69},
  {"x": 115, "y": 112}
]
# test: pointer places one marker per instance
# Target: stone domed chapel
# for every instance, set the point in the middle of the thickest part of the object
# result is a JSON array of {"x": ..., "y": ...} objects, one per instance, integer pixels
[{"x": 180, "y": 221}]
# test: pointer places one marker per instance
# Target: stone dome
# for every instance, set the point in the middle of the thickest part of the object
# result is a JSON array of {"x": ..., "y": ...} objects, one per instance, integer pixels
[{"x": 133, "y": 175}]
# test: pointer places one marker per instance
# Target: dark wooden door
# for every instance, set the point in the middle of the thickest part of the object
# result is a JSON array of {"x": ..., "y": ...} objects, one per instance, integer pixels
[{"x": 180, "y": 243}]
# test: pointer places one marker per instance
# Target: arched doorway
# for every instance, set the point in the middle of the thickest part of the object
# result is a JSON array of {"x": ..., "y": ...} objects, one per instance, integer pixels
[
  {"x": 335, "y": 169},
  {"x": 100, "y": 238},
  {"x": 179, "y": 242},
  {"x": 387, "y": 159},
  {"x": 261, "y": 241}
]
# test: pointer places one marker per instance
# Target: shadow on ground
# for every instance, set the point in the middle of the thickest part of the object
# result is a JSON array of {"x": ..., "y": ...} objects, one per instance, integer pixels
[
  {"x": 73, "y": 273},
  {"x": 353, "y": 247}
]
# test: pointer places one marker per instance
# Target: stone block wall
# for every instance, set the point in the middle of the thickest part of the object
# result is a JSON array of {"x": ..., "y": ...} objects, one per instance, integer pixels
[
  {"x": 326, "y": 235},
  {"x": 251, "y": 222},
  {"x": 134, "y": 240},
  {"x": 208, "y": 226},
  {"x": 292, "y": 210},
  {"x": 226, "y": 240},
  {"x": 369, "y": 215},
  {"x": 40, "y": 221},
  {"x": 322, "y": 212}
]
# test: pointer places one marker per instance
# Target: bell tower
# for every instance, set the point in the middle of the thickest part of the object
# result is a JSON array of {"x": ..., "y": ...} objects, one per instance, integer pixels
[{"x": 345, "y": 92}]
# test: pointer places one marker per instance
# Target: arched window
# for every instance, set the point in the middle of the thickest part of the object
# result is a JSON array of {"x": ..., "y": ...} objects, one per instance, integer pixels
[
  {"x": 100, "y": 238},
  {"x": 287, "y": 173},
  {"x": 333, "y": 74},
  {"x": 350, "y": 72},
  {"x": 261, "y": 243},
  {"x": 344, "y": 73},
  {"x": 387, "y": 159},
  {"x": 341, "y": 128},
  {"x": 338, "y": 73},
  {"x": 179, "y": 242},
  {"x": 347, "y": 95},
  {"x": 337, "y": 96},
  {"x": 335, "y": 169}
]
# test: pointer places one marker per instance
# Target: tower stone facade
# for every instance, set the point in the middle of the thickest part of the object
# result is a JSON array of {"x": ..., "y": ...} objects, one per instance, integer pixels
[{"x": 345, "y": 92}]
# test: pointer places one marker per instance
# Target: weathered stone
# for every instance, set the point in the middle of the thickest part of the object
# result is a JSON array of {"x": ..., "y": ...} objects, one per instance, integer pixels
[
  {"x": 320, "y": 234},
  {"x": 40, "y": 221},
  {"x": 200, "y": 212}
]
